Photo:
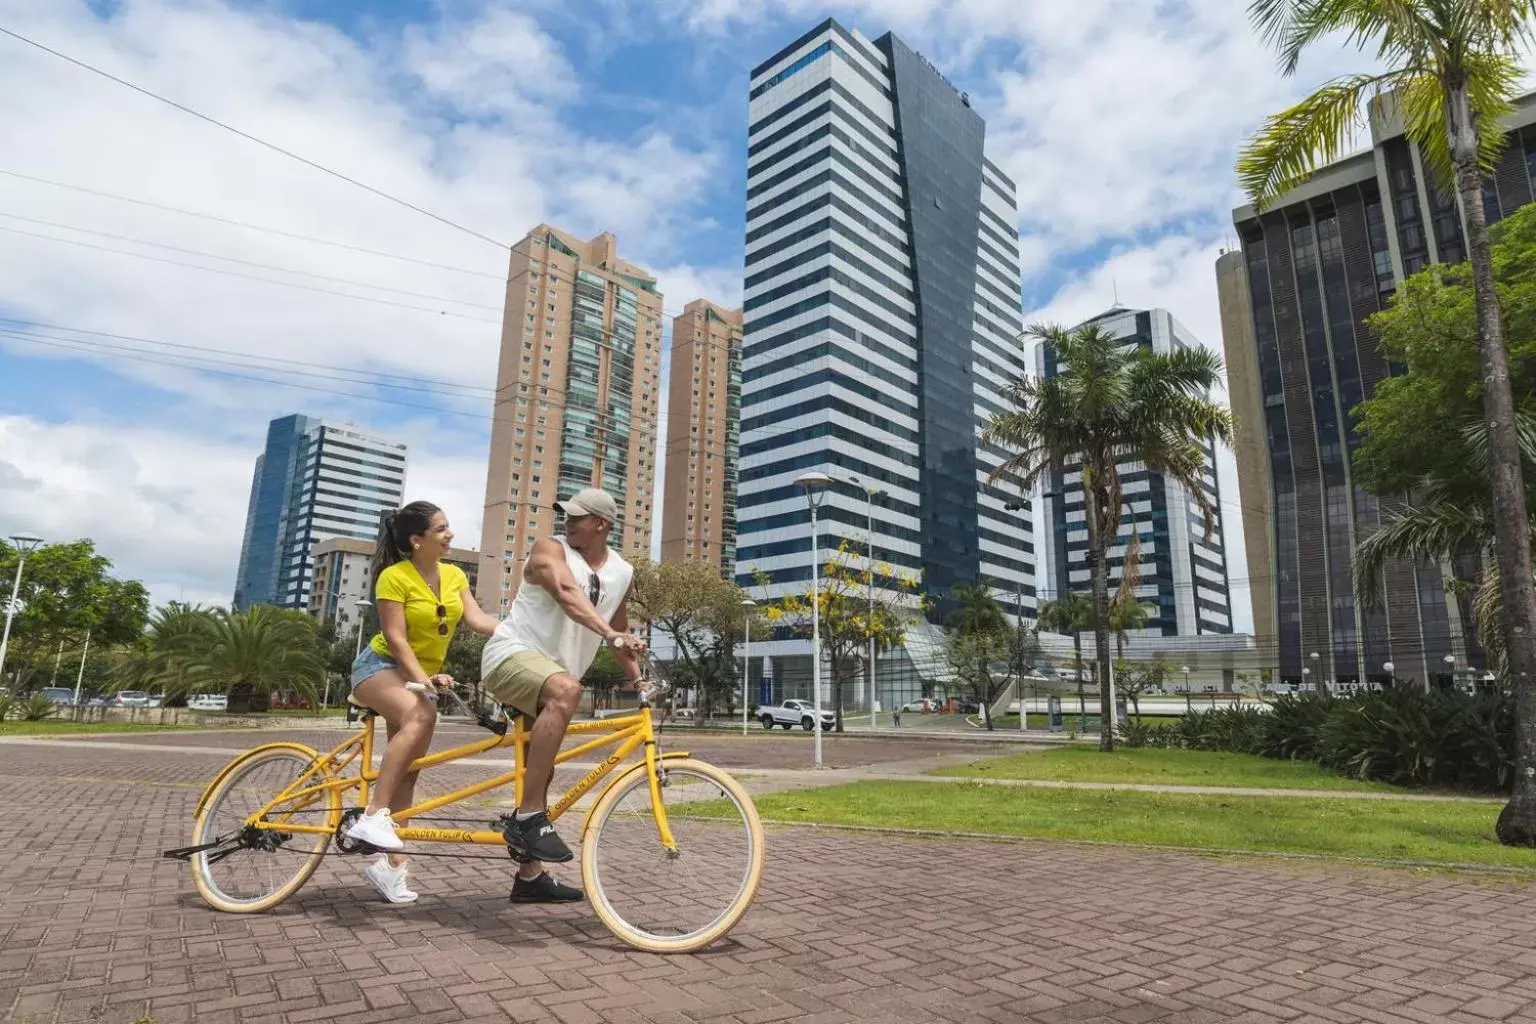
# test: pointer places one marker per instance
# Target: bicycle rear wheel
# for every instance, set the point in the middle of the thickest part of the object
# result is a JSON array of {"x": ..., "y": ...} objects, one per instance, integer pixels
[
  {"x": 673, "y": 901},
  {"x": 260, "y": 868}
]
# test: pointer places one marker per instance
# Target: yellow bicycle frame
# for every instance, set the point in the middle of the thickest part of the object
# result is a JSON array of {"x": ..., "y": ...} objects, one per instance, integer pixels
[{"x": 629, "y": 733}]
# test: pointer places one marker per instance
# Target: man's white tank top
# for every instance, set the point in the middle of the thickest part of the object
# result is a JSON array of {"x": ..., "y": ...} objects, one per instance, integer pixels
[{"x": 536, "y": 621}]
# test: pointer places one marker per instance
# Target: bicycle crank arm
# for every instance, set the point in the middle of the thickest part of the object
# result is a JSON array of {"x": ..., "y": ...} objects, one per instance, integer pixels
[{"x": 188, "y": 852}]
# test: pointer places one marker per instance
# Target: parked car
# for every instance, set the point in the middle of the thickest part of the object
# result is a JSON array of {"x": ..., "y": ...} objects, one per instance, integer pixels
[
  {"x": 792, "y": 713},
  {"x": 58, "y": 694},
  {"x": 922, "y": 704},
  {"x": 129, "y": 699},
  {"x": 208, "y": 702},
  {"x": 966, "y": 706}
]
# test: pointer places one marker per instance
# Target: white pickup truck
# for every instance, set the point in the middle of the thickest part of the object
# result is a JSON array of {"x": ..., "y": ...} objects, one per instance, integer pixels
[{"x": 792, "y": 713}]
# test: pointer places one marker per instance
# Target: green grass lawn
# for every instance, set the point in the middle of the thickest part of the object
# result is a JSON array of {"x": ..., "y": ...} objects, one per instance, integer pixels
[
  {"x": 1162, "y": 767},
  {"x": 1448, "y": 832},
  {"x": 49, "y": 727}
]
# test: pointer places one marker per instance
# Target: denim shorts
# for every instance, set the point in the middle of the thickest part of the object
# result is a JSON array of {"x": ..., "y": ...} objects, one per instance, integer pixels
[{"x": 370, "y": 662}]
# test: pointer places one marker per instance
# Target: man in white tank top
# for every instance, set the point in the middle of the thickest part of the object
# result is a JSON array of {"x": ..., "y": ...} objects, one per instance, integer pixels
[{"x": 573, "y": 597}]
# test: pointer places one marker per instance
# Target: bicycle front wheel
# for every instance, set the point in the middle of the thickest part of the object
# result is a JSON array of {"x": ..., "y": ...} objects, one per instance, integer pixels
[
  {"x": 673, "y": 901},
  {"x": 262, "y": 867}
]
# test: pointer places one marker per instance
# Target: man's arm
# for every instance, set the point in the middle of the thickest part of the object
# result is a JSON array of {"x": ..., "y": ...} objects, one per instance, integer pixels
[
  {"x": 547, "y": 568},
  {"x": 626, "y": 654}
]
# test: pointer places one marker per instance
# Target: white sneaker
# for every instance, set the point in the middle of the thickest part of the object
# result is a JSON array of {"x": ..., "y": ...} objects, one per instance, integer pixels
[
  {"x": 389, "y": 880},
  {"x": 376, "y": 830}
]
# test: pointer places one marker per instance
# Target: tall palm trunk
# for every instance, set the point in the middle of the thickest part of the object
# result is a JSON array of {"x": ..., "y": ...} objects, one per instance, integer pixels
[
  {"x": 1517, "y": 822},
  {"x": 1077, "y": 657},
  {"x": 1096, "y": 551}
]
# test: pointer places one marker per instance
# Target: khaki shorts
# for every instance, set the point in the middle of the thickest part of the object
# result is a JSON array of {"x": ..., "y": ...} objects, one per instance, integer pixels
[{"x": 518, "y": 680}]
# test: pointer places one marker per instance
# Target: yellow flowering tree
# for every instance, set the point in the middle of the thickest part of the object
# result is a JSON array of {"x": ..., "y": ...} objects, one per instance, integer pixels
[{"x": 847, "y": 621}]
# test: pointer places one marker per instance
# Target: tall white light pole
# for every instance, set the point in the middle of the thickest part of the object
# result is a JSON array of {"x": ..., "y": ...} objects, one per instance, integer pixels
[
  {"x": 25, "y": 544},
  {"x": 870, "y": 492},
  {"x": 815, "y": 485},
  {"x": 80, "y": 676},
  {"x": 747, "y": 604}
]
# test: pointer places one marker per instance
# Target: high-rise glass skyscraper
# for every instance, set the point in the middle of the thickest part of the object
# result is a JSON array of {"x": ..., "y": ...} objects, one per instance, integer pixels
[
  {"x": 881, "y": 319},
  {"x": 1181, "y": 573},
  {"x": 1294, "y": 301},
  {"x": 314, "y": 481}
]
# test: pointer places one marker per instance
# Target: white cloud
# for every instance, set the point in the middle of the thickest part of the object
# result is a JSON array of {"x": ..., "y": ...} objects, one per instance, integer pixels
[
  {"x": 469, "y": 116},
  {"x": 166, "y": 508}
]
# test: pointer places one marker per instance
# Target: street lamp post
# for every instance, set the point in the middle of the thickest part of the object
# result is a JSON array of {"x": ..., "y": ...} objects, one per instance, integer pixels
[
  {"x": 747, "y": 604},
  {"x": 80, "y": 675},
  {"x": 1391, "y": 671},
  {"x": 1185, "y": 670},
  {"x": 815, "y": 485},
  {"x": 1450, "y": 666},
  {"x": 25, "y": 544},
  {"x": 1316, "y": 658}
]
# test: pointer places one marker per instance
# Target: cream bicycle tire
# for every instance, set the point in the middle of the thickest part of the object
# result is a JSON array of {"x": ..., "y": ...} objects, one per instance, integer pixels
[
  {"x": 204, "y": 831},
  {"x": 726, "y": 919}
]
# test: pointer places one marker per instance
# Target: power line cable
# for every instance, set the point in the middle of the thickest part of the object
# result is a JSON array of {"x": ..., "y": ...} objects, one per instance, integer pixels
[
  {"x": 252, "y": 138},
  {"x": 251, "y": 227},
  {"x": 248, "y": 277},
  {"x": 233, "y": 259}
]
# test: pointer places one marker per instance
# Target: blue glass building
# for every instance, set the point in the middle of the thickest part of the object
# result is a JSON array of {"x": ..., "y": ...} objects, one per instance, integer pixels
[{"x": 314, "y": 481}]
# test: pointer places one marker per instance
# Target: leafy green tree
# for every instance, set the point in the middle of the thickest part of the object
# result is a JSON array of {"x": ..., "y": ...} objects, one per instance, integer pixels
[
  {"x": 605, "y": 676},
  {"x": 1452, "y": 69},
  {"x": 1111, "y": 402},
  {"x": 66, "y": 590},
  {"x": 846, "y": 623},
  {"x": 702, "y": 614},
  {"x": 1138, "y": 678},
  {"x": 978, "y": 646}
]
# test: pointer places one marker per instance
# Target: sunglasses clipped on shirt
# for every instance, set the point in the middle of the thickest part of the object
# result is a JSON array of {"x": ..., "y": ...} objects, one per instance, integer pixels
[
  {"x": 442, "y": 620},
  {"x": 594, "y": 589}
]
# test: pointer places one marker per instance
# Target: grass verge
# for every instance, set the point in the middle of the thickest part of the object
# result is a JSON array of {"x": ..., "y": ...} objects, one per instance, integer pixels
[
  {"x": 1162, "y": 767},
  {"x": 49, "y": 727},
  {"x": 1443, "y": 832}
]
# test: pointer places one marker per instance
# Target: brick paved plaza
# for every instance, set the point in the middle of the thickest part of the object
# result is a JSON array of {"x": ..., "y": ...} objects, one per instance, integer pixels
[{"x": 95, "y": 926}]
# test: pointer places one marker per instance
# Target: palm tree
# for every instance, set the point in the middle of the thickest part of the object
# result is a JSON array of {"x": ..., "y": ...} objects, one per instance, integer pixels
[
  {"x": 249, "y": 654},
  {"x": 1125, "y": 614},
  {"x": 1071, "y": 614},
  {"x": 1444, "y": 520},
  {"x": 1111, "y": 402},
  {"x": 1453, "y": 67}
]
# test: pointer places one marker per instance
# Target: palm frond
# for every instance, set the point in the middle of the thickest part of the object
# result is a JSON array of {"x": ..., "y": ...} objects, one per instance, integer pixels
[
  {"x": 1313, "y": 131},
  {"x": 1428, "y": 530}
]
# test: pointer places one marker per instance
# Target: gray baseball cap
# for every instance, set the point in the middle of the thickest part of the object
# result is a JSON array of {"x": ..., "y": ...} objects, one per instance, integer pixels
[{"x": 590, "y": 502}]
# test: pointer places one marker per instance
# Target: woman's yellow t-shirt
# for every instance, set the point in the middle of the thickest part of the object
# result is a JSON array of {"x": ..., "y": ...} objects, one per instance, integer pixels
[{"x": 403, "y": 583}]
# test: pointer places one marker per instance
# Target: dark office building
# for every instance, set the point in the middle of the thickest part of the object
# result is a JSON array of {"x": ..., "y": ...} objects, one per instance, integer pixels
[{"x": 1294, "y": 297}]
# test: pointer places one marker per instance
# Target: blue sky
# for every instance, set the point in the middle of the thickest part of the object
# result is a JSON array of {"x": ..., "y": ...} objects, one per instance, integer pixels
[{"x": 593, "y": 115}]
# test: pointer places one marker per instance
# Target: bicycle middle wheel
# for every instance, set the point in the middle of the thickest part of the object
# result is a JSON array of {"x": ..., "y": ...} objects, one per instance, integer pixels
[
  {"x": 679, "y": 901},
  {"x": 252, "y": 878}
]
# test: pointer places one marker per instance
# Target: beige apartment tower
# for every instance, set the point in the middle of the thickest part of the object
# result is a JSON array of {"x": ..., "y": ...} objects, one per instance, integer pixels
[
  {"x": 703, "y": 427},
  {"x": 576, "y": 397}
]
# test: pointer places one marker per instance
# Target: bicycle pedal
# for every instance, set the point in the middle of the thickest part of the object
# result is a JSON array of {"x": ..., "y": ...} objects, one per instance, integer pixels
[{"x": 502, "y": 824}]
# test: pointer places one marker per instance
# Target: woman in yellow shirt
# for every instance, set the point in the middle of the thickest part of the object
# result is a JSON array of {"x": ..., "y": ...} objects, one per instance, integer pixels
[{"x": 420, "y": 599}]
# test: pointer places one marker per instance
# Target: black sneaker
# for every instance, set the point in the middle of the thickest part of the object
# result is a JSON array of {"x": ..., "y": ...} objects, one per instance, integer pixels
[
  {"x": 535, "y": 839},
  {"x": 544, "y": 889}
]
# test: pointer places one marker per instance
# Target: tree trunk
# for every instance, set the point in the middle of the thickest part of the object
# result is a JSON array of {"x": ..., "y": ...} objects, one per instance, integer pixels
[
  {"x": 1096, "y": 518},
  {"x": 837, "y": 696},
  {"x": 1517, "y": 822}
]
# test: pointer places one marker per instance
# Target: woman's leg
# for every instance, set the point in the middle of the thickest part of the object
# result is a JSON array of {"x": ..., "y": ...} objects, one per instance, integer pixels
[
  {"x": 409, "y": 718},
  {"x": 405, "y": 791}
]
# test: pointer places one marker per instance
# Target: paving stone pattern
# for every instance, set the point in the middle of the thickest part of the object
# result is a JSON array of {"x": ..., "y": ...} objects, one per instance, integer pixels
[{"x": 94, "y": 926}]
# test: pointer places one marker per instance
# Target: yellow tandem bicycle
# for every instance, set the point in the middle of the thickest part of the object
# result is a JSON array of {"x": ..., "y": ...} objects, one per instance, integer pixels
[{"x": 663, "y": 876}]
